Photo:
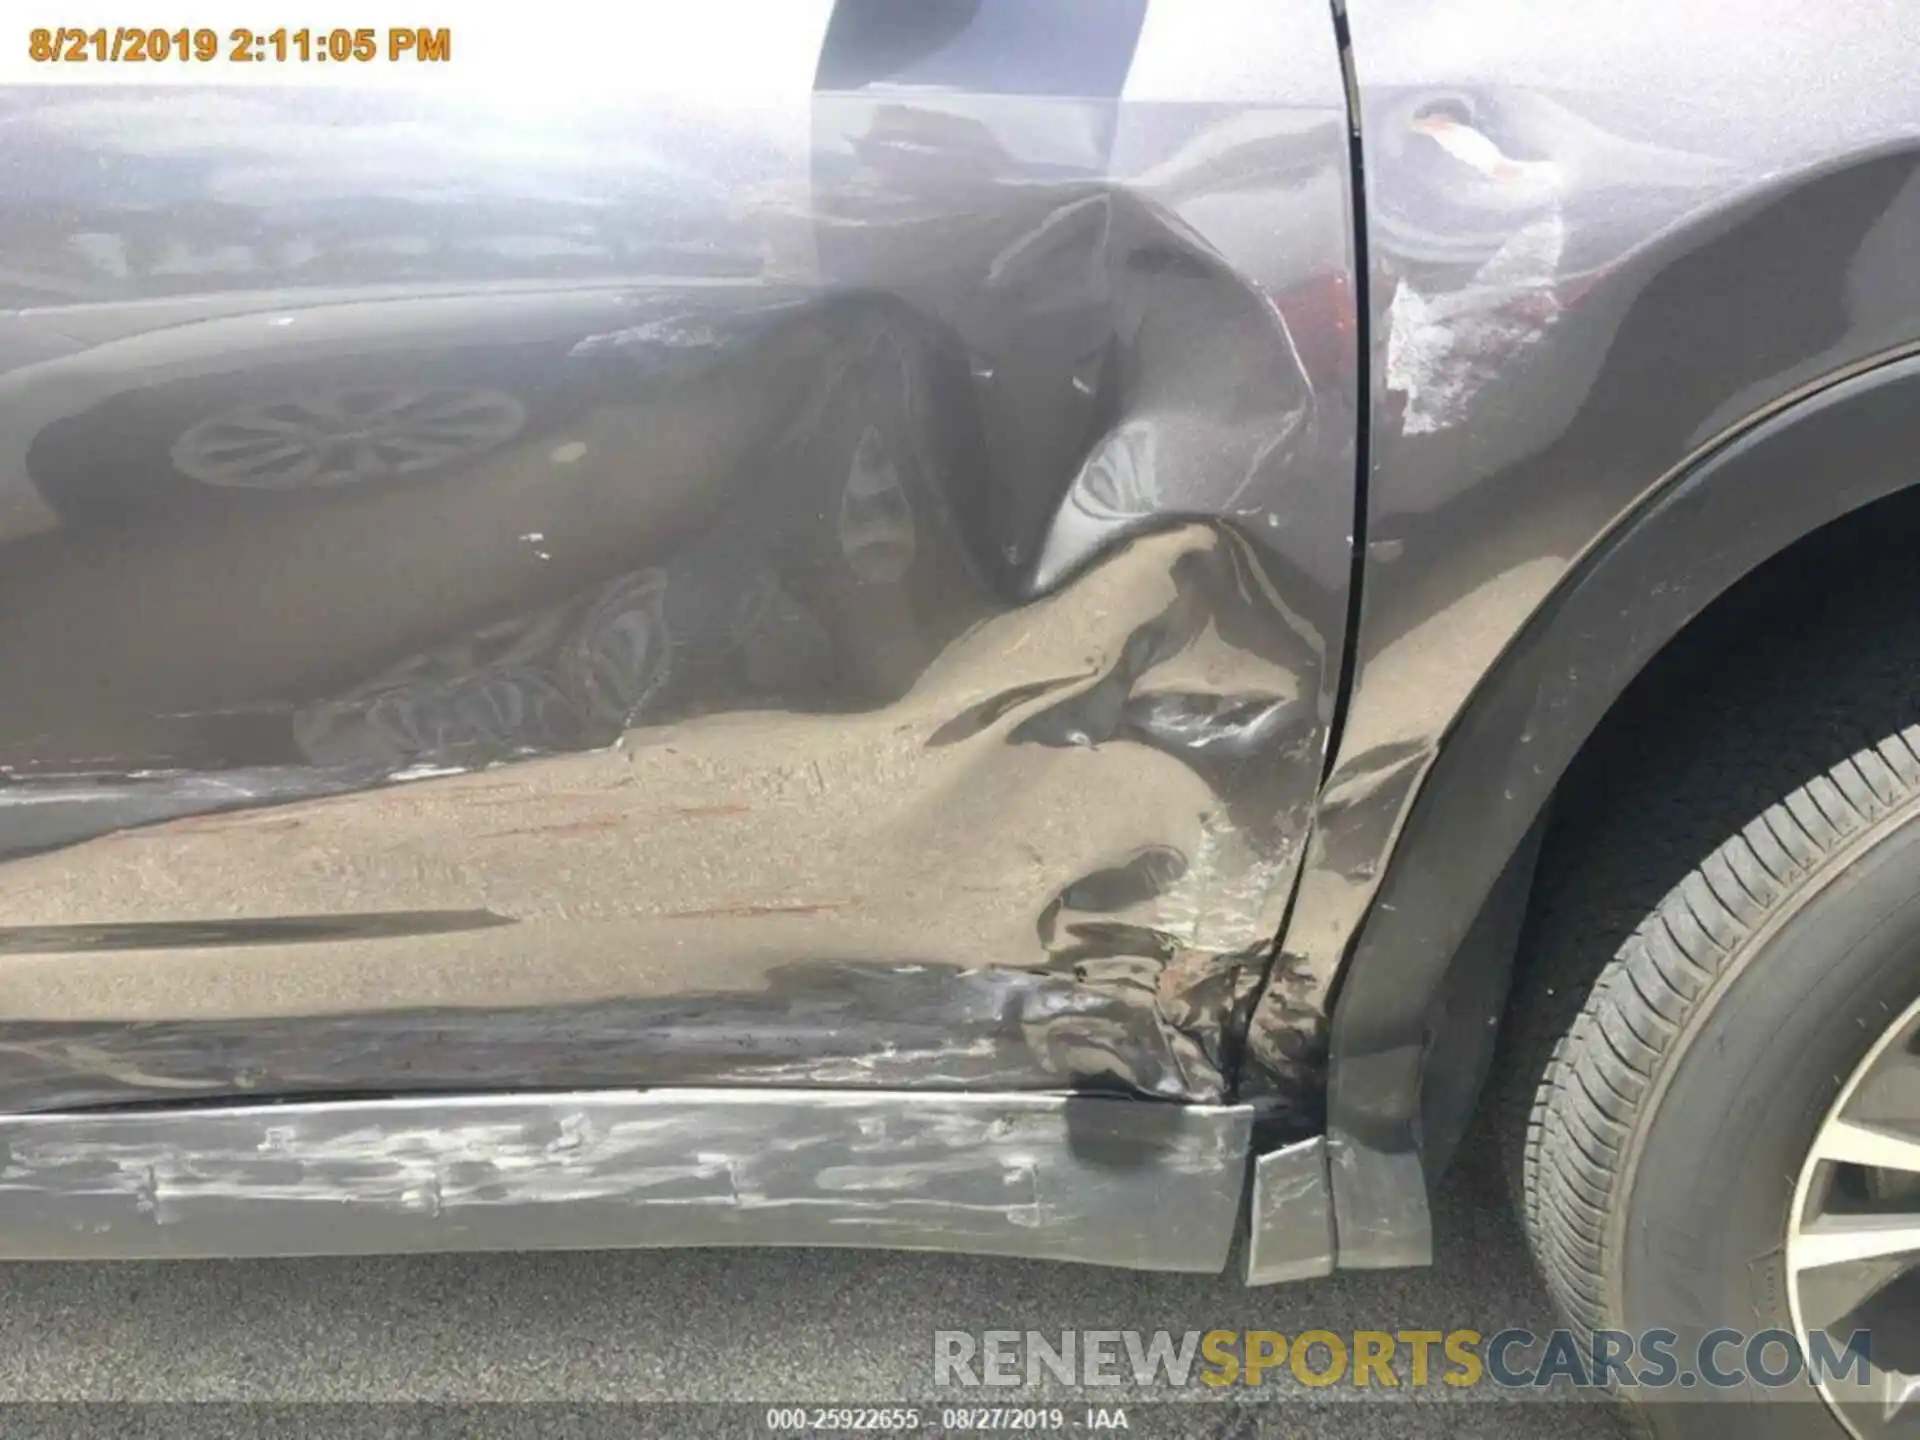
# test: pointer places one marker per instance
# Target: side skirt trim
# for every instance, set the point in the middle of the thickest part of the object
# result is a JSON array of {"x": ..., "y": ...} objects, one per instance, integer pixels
[
  {"x": 1106, "y": 1181},
  {"x": 1290, "y": 1232}
]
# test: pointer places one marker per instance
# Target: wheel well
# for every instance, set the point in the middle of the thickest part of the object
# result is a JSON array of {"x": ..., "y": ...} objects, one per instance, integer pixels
[
  {"x": 1731, "y": 558},
  {"x": 1809, "y": 658}
]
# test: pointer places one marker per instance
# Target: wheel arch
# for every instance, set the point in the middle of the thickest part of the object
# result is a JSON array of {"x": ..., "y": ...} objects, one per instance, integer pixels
[{"x": 1412, "y": 1020}]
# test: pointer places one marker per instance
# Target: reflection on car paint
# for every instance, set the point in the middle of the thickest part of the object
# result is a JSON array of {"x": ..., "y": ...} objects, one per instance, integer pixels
[{"x": 894, "y": 647}]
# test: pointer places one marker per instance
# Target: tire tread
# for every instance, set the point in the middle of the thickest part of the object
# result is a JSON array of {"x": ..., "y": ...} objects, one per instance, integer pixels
[{"x": 1592, "y": 1104}]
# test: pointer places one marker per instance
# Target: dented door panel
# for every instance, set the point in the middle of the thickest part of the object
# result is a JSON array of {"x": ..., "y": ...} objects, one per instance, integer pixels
[{"x": 825, "y": 576}]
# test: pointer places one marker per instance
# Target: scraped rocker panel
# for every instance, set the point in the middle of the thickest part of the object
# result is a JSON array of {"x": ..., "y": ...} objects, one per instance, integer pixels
[{"x": 1147, "y": 1186}]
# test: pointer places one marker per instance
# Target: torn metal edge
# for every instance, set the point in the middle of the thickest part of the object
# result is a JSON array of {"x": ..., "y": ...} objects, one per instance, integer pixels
[
  {"x": 1104, "y": 1181},
  {"x": 1290, "y": 1233}
]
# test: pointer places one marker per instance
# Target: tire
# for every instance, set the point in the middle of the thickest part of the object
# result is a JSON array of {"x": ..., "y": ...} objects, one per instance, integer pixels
[{"x": 1674, "y": 1116}]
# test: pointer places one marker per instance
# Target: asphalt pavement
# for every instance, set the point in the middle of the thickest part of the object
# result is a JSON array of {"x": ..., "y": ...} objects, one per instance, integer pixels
[{"x": 335, "y": 1342}]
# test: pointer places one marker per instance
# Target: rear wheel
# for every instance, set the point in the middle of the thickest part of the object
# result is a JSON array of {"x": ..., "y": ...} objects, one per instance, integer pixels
[{"x": 1728, "y": 1133}]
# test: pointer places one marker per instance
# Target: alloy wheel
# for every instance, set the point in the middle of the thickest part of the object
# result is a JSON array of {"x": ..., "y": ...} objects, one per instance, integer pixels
[
  {"x": 1853, "y": 1236},
  {"x": 326, "y": 438}
]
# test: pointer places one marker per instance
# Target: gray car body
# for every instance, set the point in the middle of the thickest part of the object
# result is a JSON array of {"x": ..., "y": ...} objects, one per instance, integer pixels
[{"x": 909, "y": 652}]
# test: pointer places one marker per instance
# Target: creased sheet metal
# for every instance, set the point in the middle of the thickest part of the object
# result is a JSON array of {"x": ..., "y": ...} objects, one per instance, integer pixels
[{"x": 849, "y": 586}]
